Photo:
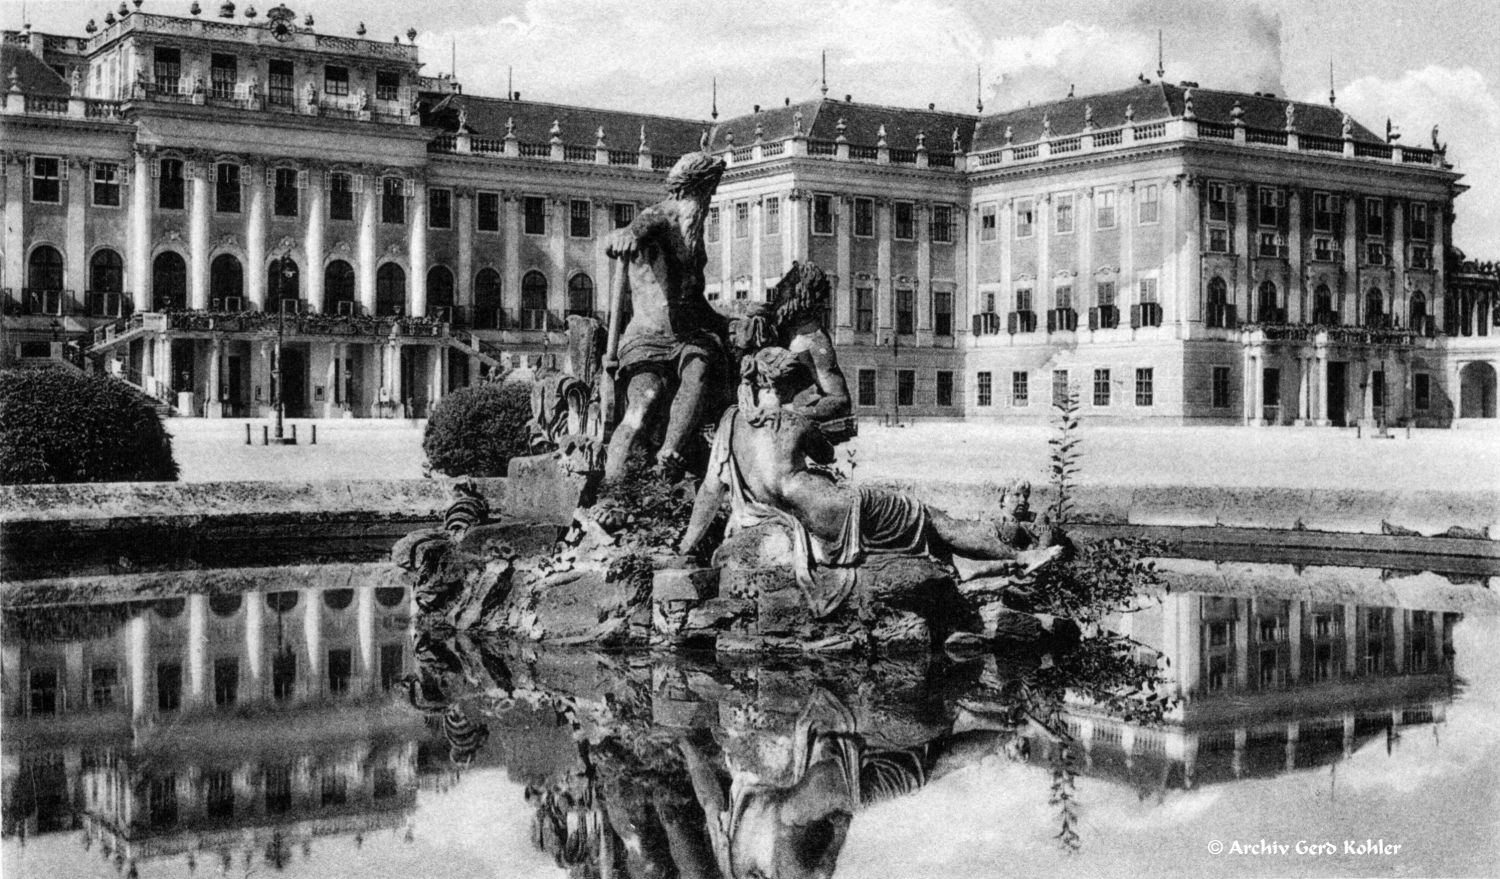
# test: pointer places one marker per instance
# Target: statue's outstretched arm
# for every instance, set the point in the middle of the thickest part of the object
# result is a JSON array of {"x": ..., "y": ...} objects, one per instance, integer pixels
[
  {"x": 705, "y": 508},
  {"x": 834, "y": 401}
]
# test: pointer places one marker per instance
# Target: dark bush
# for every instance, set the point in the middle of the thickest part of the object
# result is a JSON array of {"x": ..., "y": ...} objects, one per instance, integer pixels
[
  {"x": 58, "y": 426},
  {"x": 476, "y": 431}
]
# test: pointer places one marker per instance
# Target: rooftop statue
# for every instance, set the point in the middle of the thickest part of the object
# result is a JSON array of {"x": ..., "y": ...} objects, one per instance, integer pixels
[
  {"x": 760, "y": 461},
  {"x": 665, "y": 344}
]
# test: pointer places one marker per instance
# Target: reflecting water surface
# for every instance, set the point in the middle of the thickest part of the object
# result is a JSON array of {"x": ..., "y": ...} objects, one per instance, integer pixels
[{"x": 1269, "y": 721}]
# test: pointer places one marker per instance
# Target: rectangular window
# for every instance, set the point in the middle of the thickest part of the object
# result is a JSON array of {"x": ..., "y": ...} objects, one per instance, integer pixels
[
  {"x": 983, "y": 392},
  {"x": 864, "y": 310},
  {"x": 280, "y": 85},
  {"x": 168, "y": 686},
  {"x": 1025, "y": 216},
  {"x": 1270, "y": 244},
  {"x": 1060, "y": 386},
  {"x": 822, "y": 215},
  {"x": 391, "y": 665},
  {"x": 1218, "y": 203},
  {"x": 1422, "y": 391},
  {"x": 1218, "y": 240},
  {"x": 1419, "y": 227},
  {"x": 624, "y": 214},
  {"x": 1323, "y": 211},
  {"x": 1023, "y": 299},
  {"x": 42, "y": 692},
  {"x": 742, "y": 219},
  {"x": 772, "y": 218},
  {"x": 1145, "y": 386},
  {"x": 1374, "y": 216},
  {"x": 906, "y": 387},
  {"x": 106, "y": 185},
  {"x": 392, "y": 200},
  {"x": 1150, "y": 205},
  {"x": 1148, "y": 290},
  {"x": 864, "y": 218},
  {"x": 170, "y": 190},
  {"x": 1063, "y": 296},
  {"x": 46, "y": 179},
  {"x": 166, "y": 70},
  {"x": 104, "y": 686},
  {"x": 284, "y": 201},
  {"x": 1104, "y": 208},
  {"x": 1375, "y": 253},
  {"x": 1377, "y": 388},
  {"x": 340, "y": 670},
  {"x": 944, "y": 388},
  {"x": 1220, "y": 387},
  {"x": 1020, "y": 389},
  {"x": 1105, "y": 293},
  {"x": 942, "y": 224},
  {"x": 580, "y": 218},
  {"x": 867, "y": 387},
  {"x": 387, "y": 86},
  {"x": 711, "y": 226},
  {"x": 335, "y": 80},
  {"x": 340, "y": 197},
  {"x": 440, "y": 208},
  {"x": 283, "y": 676},
  {"x": 487, "y": 217},
  {"x": 1271, "y": 203},
  {"x": 218, "y": 787},
  {"x": 1101, "y": 387},
  {"x": 906, "y": 312},
  {"x": 906, "y": 221},
  {"x": 988, "y": 223},
  {"x": 942, "y": 313},
  {"x": 1323, "y": 250},
  {"x": 226, "y": 681},
  {"x": 1063, "y": 209},
  {"x": 534, "y": 215},
  {"x": 227, "y": 188},
  {"x": 223, "y": 75}
]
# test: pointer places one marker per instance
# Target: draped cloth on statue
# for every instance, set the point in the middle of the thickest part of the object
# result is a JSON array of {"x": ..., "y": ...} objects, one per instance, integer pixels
[{"x": 827, "y": 571}]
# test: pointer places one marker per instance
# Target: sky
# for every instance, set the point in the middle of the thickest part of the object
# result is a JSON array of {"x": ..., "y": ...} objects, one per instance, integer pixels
[{"x": 1418, "y": 64}]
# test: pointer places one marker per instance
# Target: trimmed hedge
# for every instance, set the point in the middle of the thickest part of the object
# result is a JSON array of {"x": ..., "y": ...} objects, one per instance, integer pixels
[
  {"x": 62, "y": 426},
  {"x": 476, "y": 431}
]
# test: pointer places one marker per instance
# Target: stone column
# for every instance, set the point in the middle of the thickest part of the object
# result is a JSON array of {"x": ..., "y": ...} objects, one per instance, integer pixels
[
  {"x": 255, "y": 239},
  {"x": 369, "y": 207},
  {"x": 885, "y": 287},
  {"x": 1044, "y": 297},
  {"x": 139, "y": 279},
  {"x": 364, "y": 611},
  {"x": 1398, "y": 640},
  {"x": 331, "y": 378},
  {"x": 1242, "y": 642},
  {"x": 604, "y": 224},
  {"x": 1244, "y": 248},
  {"x": 317, "y": 216},
  {"x": 312, "y": 631},
  {"x": 1320, "y": 380},
  {"x": 1304, "y": 389},
  {"x": 557, "y": 247},
  {"x": 1367, "y": 393},
  {"x": 1294, "y": 641},
  {"x": 966, "y": 277},
  {"x": 1349, "y": 298},
  {"x": 198, "y": 175},
  {"x": 1186, "y": 303},
  {"x": 757, "y": 236},
  {"x": 1128, "y": 291},
  {"x": 794, "y": 230},
  {"x": 138, "y": 641},
  {"x": 1351, "y": 643},
  {"x": 197, "y": 650},
  {"x": 17, "y": 172},
  {"x": 510, "y": 294},
  {"x": 435, "y": 384},
  {"x": 1247, "y": 396},
  {"x": 261, "y": 378},
  {"x": 1004, "y": 237},
  {"x": 463, "y": 292},
  {"x": 1396, "y": 297},
  {"x": 214, "y": 405},
  {"x": 1085, "y": 290},
  {"x": 1296, "y": 305},
  {"x": 77, "y": 262},
  {"x": 924, "y": 292},
  {"x": 417, "y": 290}
]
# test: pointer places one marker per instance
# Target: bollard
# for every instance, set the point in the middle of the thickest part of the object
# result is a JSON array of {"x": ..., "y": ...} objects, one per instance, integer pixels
[
  {"x": 294, "y": 434},
  {"x": 265, "y": 435},
  {"x": 315, "y": 434},
  {"x": 247, "y": 434}
]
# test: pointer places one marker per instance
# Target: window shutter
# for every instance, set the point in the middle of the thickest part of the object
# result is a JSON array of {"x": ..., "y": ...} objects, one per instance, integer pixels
[
  {"x": 270, "y": 176},
  {"x": 1135, "y": 317},
  {"x": 156, "y": 167},
  {"x": 122, "y": 174},
  {"x": 359, "y": 182},
  {"x": 301, "y": 179},
  {"x": 62, "y": 169},
  {"x": 410, "y": 187}
]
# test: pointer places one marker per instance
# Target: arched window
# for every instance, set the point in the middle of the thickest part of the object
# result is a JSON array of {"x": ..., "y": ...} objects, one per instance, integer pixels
[
  {"x": 44, "y": 270},
  {"x": 169, "y": 282},
  {"x": 1418, "y": 311},
  {"x": 1220, "y": 313},
  {"x": 226, "y": 283},
  {"x": 488, "y": 312},
  {"x": 283, "y": 283},
  {"x": 107, "y": 272},
  {"x": 581, "y": 295},
  {"x": 440, "y": 293},
  {"x": 534, "y": 301},
  {"x": 338, "y": 288},
  {"x": 390, "y": 290},
  {"x": 1266, "y": 305},
  {"x": 1323, "y": 312},
  {"x": 1374, "y": 308}
]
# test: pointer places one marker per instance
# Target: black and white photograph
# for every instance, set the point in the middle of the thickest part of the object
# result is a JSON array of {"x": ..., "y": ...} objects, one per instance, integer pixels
[{"x": 652, "y": 439}]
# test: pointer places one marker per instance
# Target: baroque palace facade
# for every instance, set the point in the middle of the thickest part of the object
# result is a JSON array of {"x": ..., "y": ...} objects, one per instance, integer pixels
[{"x": 186, "y": 196}]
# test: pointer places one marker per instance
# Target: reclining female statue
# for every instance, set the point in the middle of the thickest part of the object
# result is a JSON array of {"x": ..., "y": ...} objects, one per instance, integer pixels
[{"x": 759, "y": 459}]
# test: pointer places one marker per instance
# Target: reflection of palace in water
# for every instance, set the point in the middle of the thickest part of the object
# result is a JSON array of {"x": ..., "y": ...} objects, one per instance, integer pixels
[
  {"x": 211, "y": 724},
  {"x": 1272, "y": 685}
]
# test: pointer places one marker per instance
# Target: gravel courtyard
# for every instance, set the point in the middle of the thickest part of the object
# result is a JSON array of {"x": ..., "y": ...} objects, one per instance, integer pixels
[{"x": 1134, "y": 455}]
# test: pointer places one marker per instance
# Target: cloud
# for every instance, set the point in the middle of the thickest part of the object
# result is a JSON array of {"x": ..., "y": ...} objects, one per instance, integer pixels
[{"x": 1467, "y": 110}]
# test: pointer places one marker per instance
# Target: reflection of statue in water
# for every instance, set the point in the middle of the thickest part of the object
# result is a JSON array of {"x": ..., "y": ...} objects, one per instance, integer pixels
[
  {"x": 670, "y": 347},
  {"x": 759, "y": 460}
]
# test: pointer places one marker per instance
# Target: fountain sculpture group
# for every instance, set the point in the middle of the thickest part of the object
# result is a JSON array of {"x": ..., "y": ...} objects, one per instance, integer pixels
[{"x": 676, "y": 407}]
